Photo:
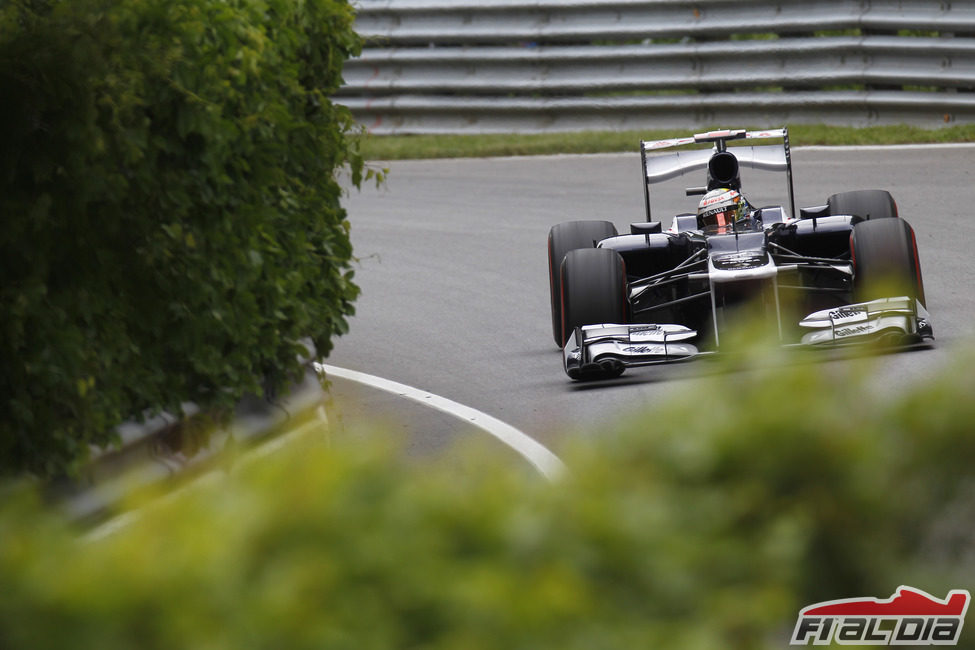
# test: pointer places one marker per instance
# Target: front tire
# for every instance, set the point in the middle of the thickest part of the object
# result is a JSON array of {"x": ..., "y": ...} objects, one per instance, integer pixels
[
  {"x": 868, "y": 204},
  {"x": 593, "y": 289},
  {"x": 562, "y": 238},
  {"x": 885, "y": 261}
]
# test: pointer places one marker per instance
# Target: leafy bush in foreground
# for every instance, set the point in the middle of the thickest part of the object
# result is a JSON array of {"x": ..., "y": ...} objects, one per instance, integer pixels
[
  {"x": 684, "y": 528},
  {"x": 171, "y": 221}
]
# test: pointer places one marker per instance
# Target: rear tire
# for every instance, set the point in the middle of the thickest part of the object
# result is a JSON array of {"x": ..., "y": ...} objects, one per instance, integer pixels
[
  {"x": 868, "y": 204},
  {"x": 593, "y": 289},
  {"x": 885, "y": 261},
  {"x": 562, "y": 238}
]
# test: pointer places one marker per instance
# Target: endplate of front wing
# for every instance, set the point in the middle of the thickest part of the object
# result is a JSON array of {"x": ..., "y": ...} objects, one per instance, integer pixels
[{"x": 596, "y": 350}]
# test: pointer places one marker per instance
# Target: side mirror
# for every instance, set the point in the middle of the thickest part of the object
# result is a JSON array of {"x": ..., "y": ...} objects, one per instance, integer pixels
[{"x": 645, "y": 228}]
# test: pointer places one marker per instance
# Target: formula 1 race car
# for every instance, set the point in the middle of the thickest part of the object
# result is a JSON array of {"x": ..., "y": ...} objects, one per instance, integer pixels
[{"x": 656, "y": 296}]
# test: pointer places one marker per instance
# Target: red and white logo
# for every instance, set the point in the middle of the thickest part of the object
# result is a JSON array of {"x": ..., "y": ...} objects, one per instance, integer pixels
[{"x": 909, "y": 617}]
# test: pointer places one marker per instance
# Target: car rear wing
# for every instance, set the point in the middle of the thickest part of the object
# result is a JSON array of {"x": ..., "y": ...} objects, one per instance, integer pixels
[{"x": 659, "y": 167}]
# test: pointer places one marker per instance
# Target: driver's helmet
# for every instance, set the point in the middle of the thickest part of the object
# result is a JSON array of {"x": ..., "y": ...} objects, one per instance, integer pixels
[{"x": 720, "y": 209}]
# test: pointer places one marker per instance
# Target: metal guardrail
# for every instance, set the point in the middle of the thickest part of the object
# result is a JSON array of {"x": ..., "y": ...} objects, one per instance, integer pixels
[
  {"x": 435, "y": 66},
  {"x": 151, "y": 454}
]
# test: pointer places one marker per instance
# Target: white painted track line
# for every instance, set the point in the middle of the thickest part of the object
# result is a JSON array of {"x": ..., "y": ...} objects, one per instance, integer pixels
[
  {"x": 527, "y": 447},
  {"x": 885, "y": 147}
]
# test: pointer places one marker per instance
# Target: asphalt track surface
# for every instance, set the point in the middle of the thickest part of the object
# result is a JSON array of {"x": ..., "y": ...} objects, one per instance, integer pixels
[{"x": 455, "y": 297}]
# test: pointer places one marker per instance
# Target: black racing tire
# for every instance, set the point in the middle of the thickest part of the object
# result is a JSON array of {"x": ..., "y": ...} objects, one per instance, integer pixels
[
  {"x": 593, "y": 289},
  {"x": 562, "y": 238},
  {"x": 885, "y": 261},
  {"x": 868, "y": 204}
]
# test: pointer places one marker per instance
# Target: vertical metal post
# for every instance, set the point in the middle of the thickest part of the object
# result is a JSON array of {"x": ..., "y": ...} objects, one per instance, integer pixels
[
  {"x": 646, "y": 183},
  {"x": 788, "y": 167}
]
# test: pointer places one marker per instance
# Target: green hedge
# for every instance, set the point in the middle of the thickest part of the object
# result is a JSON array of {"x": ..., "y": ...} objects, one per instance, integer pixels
[
  {"x": 172, "y": 225},
  {"x": 686, "y": 527}
]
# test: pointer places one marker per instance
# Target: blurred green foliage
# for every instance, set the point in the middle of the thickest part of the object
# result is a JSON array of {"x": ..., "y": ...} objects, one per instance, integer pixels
[
  {"x": 686, "y": 527},
  {"x": 172, "y": 226}
]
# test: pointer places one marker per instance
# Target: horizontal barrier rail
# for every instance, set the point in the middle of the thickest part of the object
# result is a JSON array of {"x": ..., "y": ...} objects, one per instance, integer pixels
[
  {"x": 412, "y": 22},
  {"x": 442, "y": 115},
  {"x": 781, "y": 62},
  {"x": 517, "y": 66},
  {"x": 155, "y": 455}
]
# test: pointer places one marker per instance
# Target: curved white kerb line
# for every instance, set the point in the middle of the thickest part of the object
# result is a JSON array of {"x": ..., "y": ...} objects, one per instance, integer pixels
[{"x": 527, "y": 447}]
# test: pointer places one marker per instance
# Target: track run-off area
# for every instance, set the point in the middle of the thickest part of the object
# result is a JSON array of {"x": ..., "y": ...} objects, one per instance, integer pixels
[{"x": 455, "y": 298}]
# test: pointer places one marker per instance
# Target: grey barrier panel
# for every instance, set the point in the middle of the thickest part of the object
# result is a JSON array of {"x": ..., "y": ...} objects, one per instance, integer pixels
[{"x": 456, "y": 66}]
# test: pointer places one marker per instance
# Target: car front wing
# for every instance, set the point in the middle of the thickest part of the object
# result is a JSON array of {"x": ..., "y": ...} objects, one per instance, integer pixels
[
  {"x": 605, "y": 350},
  {"x": 598, "y": 350}
]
